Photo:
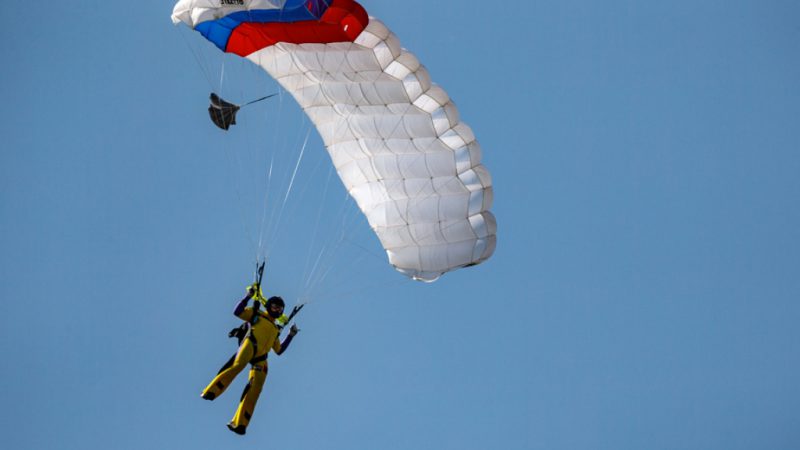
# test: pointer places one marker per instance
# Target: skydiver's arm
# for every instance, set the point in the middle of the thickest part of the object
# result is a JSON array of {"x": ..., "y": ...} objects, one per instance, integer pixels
[
  {"x": 285, "y": 344},
  {"x": 239, "y": 310}
]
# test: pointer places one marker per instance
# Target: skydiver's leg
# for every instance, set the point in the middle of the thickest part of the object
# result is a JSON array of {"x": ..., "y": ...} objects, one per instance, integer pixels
[
  {"x": 229, "y": 371},
  {"x": 258, "y": 374}
]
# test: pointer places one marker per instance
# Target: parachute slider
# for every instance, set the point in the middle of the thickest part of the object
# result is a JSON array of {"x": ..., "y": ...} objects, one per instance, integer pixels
[{"x": 223, "y": 113}]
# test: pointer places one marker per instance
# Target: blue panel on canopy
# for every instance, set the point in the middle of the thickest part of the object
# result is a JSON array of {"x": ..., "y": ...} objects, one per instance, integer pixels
[{"x": 219, "y": 31}]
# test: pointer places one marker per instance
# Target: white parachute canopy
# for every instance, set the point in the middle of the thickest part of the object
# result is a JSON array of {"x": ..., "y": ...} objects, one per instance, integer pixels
[{"x": 395, "y": 138}]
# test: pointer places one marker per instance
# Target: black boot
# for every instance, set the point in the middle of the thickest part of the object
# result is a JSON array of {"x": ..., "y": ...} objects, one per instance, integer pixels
[{"x": 241, "y": 429}]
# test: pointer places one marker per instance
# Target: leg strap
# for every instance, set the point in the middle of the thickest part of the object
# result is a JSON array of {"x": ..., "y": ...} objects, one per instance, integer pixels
[{"x": 259, "y": 359}]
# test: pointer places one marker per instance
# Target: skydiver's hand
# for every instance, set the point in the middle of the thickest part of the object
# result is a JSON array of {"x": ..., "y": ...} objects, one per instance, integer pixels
[
  {"x": 293, "y": 330},
  {"x": 251, "y": 290}
]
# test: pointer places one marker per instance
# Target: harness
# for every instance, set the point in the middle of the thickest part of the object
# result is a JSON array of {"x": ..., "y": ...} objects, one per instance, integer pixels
[{"x": 245, "y": 331}]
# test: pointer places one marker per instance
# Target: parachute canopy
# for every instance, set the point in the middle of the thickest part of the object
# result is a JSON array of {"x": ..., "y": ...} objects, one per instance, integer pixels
[{"x": 395, "y": 137}]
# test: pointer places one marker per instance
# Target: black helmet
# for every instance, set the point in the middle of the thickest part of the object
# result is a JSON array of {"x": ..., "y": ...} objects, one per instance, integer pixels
[{"x": 274, "y": 301}]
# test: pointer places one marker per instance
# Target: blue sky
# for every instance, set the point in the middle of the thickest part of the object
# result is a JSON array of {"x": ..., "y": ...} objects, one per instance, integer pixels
[{"x": 643, "y": 293}]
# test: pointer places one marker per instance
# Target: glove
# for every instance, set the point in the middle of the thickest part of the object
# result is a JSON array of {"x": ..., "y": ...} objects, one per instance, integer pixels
[{"x": 254, "y": 291}]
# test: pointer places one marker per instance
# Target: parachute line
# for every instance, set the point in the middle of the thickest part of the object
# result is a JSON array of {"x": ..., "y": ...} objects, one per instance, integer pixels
[
  {"x": 265, "y": 206},
  {"x": 297, "y": 166},
  {"x": 235, "y": 162},
  {"x": 203, "y": 67},
  {"x": 316, "y": 224}
]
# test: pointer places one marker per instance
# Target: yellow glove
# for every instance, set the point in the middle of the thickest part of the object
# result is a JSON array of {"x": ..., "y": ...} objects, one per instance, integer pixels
[{"x": 256, "y": 293}]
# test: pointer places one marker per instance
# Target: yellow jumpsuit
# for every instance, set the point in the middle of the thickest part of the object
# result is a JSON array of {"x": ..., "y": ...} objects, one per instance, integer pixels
[{"x": 264, "y": 335}]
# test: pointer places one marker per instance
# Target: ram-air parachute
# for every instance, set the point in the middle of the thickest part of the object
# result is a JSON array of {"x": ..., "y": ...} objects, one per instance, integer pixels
[{"x": 395, "y": 137}]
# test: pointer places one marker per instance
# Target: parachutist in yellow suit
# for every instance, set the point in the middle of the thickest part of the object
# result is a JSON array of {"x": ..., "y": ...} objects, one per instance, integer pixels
[{"x": 262, "y": 335}]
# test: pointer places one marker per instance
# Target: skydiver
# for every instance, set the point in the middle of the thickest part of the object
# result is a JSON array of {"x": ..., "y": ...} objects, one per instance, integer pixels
[{"x": 262, "y": 334}]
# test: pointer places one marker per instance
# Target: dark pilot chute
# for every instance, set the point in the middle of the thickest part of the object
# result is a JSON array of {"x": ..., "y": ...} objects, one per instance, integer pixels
[{"x": 222, "y": 113}]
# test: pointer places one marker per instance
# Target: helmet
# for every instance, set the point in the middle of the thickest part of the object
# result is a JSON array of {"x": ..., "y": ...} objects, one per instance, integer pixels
[{"x": 274, "y": 301}]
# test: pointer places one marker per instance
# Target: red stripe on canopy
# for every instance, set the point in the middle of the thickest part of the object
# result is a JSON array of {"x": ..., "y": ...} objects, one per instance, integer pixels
[{"x": 343, "y": 21}]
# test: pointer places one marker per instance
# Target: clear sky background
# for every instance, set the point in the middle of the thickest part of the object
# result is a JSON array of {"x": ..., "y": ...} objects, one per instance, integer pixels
[{"x": 643, "y": 295}]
